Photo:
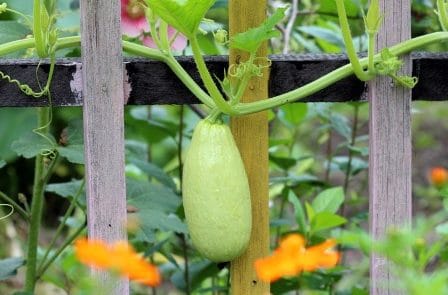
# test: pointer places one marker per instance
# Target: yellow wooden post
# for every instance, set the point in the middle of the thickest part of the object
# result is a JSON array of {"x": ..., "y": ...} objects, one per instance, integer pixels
[{"x": 251, "y": 135}]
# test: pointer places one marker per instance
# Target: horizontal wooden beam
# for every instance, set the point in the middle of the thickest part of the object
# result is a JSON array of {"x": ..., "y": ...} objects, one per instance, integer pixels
[{"x": 150, "y": 82}]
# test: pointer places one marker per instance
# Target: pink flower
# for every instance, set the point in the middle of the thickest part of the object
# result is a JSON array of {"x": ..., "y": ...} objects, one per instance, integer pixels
[
  {"x": 134, "y": 24},
  {"x": 133, "y": 19}
]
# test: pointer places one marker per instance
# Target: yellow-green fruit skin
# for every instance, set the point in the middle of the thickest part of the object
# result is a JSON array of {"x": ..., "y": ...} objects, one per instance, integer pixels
[{"x": 216, "y": 193}]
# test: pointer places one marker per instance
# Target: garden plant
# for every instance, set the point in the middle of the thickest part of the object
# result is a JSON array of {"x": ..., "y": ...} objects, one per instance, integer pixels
[{"x": 190, "y": 218}]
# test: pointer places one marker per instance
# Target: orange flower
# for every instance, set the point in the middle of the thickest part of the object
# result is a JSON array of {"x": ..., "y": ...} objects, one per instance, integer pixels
[
  {"x": 438, "y": 176},
  {"x": 119, "y": 257},
  {"x": 292, "y": 257}
]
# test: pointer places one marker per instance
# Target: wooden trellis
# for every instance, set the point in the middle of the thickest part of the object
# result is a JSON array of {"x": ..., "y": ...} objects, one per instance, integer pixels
[{"x": 105, "y": 84}]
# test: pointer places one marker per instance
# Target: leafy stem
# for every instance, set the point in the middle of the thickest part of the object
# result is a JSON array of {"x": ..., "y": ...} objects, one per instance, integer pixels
[{"x": 209, "y": 84}]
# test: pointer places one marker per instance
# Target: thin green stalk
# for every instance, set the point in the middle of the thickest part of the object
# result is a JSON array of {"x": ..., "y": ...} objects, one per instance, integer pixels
[
  {"x": 22, "y": 212},
  {"x": 36, "y": 206},
  {"x": 67, "y": 243},
  {"x": 347, "y": 36},
  {"x": 209, "y": 84},
  {"x": 61, "y": 226}
]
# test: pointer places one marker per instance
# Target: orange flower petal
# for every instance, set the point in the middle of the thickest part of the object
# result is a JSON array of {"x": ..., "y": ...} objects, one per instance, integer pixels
[
  {"x": 291, "y": 258},
  {"x": 120, "y": 257},
  {"x": 94, "y": 253}
]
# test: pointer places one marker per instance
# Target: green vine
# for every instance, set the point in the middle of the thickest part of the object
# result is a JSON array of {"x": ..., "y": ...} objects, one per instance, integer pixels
[{"x": 160, "y": 14}]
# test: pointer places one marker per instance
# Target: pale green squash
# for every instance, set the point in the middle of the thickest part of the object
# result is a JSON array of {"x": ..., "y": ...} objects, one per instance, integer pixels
[{"x": 216, "y": 193}]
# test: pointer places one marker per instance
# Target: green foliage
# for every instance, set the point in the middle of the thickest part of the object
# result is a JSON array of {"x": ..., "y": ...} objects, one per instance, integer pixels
[
  {"x": 9, "y": 266},
  {"x": 185, "y": 16},
  {"x": 251, "y": 40}
]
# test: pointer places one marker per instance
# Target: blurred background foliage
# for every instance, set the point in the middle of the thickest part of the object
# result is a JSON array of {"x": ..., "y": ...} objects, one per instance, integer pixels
[{"x": 313, "y": 147}]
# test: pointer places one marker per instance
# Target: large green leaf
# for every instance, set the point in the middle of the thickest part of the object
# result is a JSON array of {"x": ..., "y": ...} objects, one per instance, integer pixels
[
  {"x": 2, "y": 163},
  {"x": 329, "y": 200},
  {"x": 151, "y": 220},
  {"x": 33, "y": 144},
  {"x": 153, "y": 171},
  {"x": 9, "y": 266},
  {"x": 146, "y": 195},
  {"x": 184, "y": 15},
  {"x": 12, "y": 30},
  {"x": 14, "y": 123},
  {"x": 251, "y": 40},
  {"x": 68, "y": 190}
]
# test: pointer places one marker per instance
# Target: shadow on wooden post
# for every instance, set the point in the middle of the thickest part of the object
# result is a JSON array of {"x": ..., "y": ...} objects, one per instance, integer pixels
[
  {"x": 104, "y": 127},
  {"x": 390, "y": 146},
  {"x": 251, "y": 136}
]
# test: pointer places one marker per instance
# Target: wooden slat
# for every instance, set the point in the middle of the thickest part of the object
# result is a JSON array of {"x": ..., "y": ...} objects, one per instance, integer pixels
[
  {"x": 151, "y": 82},
  {"x": 390, "y": 147},
  {"x": 251, "y": 136},
  {"x": 102, "y": 78}
]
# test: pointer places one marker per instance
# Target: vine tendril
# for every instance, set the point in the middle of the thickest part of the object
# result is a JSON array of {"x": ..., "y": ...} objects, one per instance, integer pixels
[{"x": 10, "y": 212}]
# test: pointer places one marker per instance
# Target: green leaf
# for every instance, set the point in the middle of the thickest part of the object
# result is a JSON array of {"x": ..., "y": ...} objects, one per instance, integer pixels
[
  {"x": 32, "y": 144},
  {"x": 293, "y": 113},
  {"x": 2, "y": 163},
  {"x": 329, "y": 200},
  {"x": 73, "y": 153},
  {"x": 184, "y": 15},
  {"x": 68, "y": 190},
  {"x": 12, "y": 30},
  {"x": 14, "y": 123},
  {"x": 298, "y": 211},
  {"x": 154, "y": 172},
  {"x": 9, "y": 266},
  {"x": 373, "y": 18},
  {"x": 325, "y": 220},
  {"x": 151, "y": 220},
  {"x": 283, "y": 162},
  {"x": 309, "y": 211},
  {"x": 251, "y": 40},
  {"x": 146, "y": 195}
]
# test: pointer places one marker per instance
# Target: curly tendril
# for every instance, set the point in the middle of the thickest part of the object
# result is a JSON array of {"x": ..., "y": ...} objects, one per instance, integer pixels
[{"x": 10, "y": 212}]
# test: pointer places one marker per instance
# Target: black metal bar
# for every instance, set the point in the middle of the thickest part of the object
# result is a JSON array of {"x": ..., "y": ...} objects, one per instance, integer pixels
[{"x": 151, "y": 82}]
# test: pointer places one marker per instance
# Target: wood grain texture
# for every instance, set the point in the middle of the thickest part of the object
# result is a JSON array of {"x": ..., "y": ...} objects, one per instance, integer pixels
[
  {"x": 251, "y": 135},
  {"x": 390, "y": 147},
  {"x": 153, "y": 83},
  {"x": 102, "y": 84}
]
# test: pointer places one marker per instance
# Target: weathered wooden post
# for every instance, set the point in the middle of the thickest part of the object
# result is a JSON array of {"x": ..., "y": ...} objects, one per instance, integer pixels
[
  {"x": 390, "y": 145},
  {"x": 251, "y": 135},
  {"x": 102, "y": 73}
]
